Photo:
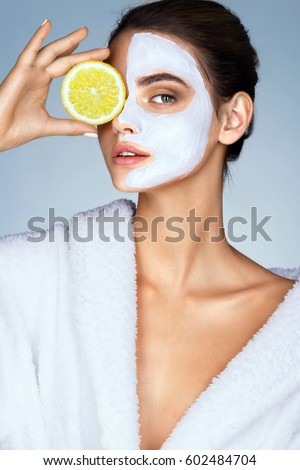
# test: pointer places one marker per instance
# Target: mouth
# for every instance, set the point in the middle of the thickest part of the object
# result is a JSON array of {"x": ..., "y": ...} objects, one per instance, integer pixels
[{"x": 127, "y": 154}]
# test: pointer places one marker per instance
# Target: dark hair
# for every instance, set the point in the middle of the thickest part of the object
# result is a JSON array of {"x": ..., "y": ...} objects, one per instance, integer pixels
[{"x": 222, "y": 45}]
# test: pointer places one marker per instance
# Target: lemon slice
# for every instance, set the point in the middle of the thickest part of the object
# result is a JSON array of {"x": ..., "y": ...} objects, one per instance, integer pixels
[{"x": 93, "y": 92}]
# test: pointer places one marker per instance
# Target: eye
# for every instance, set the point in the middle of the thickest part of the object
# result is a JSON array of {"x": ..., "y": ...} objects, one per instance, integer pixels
[{"x": 163, "y": 99}]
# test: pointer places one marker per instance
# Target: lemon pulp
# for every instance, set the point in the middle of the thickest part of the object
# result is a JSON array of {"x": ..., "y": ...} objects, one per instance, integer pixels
[{"x": 93, "y": 92}]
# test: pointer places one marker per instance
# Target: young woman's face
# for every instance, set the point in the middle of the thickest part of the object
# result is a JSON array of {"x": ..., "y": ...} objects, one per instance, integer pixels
[{"x": 163, "y": 131}]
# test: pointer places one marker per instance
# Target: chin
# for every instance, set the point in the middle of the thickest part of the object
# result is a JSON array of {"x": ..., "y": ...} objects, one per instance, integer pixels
[
  {"x": 118, "y": 181},
  {"x": 120, "y": 185}
]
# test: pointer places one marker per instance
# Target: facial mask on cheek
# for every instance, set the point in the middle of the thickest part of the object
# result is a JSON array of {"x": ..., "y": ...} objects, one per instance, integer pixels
[{"x": 177, "y": 140}]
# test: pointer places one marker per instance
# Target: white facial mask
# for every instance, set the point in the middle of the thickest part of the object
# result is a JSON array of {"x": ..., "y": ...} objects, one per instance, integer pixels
[{"x": 177, "y": 140}]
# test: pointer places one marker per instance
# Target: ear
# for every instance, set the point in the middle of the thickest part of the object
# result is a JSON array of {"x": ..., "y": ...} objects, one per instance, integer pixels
[{"x": 235, "y": 116}]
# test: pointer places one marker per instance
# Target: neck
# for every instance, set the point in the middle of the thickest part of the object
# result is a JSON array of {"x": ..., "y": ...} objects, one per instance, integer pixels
[{"x": 180, "y": 240}]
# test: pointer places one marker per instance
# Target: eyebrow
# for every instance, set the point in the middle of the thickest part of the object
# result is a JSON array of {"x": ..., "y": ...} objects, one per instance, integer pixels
[{"x": 159, "y": 77}]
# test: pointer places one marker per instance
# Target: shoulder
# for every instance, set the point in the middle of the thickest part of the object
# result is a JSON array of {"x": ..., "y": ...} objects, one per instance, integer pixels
[
  {"x": 264, "y": 289},
  {"x": 39, "y": 241},
  {"x": 273, "y": 288},
  {"x": 283, "y": 281},
  {"x": 276, "y": 283},
  {"x": 24, "y": 254},
  {"x": 25, "y": 248},
  {"x": 34, "y": 266}
]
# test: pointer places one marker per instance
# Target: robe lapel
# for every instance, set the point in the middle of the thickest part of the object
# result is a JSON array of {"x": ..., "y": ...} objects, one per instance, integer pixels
[
  {"x": 104, "y": 309},
  {"x": 260, "y": 377}
]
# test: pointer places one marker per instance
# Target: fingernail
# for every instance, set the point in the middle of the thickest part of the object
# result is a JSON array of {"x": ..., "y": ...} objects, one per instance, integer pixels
[
  {"x": 91, "y": 134},
  {"x": 44, "y": 22}
]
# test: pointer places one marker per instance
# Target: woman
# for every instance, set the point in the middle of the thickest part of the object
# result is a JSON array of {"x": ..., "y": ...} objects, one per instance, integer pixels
[{"x": 152, "y": 341}]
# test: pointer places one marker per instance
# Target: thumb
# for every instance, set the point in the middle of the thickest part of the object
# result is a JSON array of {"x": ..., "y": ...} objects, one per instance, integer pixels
[{"x": 69, "y": 127}]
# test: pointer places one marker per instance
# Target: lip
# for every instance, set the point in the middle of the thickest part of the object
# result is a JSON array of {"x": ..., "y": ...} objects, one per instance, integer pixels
[
  {"x": 127, "y": 161},
  {"x": 126, "y": 147}
]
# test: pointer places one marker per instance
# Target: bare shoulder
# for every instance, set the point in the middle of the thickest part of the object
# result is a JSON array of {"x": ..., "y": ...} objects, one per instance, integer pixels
[
  {"x": 259, "y": 291},
  {"x": 255, "y": 279},
  {"x": 267, "y": 292},
  {"x": 276, "y": 284}
]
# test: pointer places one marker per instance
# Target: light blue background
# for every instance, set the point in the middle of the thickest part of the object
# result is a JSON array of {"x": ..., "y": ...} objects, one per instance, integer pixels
[{"x": 68, "y": 173}]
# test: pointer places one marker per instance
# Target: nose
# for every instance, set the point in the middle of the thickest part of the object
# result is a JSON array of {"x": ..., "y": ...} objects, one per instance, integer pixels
[{"x": 122, "y": 127}]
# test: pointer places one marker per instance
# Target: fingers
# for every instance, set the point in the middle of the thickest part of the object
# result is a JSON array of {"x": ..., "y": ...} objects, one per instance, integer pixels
[
  {"x": 69, "y": 51},
  {"x": 29, "y": 53},
  {"x": 34, "y": 53},
  {"x": 62, "y": 65},
  {"x": 59, "y": 47},
  {"x": 68, "y": 127},
  {"x": 56, "y": 56}
]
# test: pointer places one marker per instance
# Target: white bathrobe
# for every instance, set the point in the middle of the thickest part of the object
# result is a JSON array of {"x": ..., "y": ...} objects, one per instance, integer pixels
[{"x": 67, "y": 353}]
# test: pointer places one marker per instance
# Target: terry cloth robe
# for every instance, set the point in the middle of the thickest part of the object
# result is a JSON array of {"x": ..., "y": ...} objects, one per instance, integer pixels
[{"x": 67, "y": 352}]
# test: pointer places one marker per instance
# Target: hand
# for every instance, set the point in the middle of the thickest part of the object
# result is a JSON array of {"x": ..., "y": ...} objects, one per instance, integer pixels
[{"x": 23, "y": 93}]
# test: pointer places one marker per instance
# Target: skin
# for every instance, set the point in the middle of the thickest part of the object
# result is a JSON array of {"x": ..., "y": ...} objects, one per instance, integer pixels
[
  {"x": 198, "y": 303},
  {"x": 24, "y": 91}
]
